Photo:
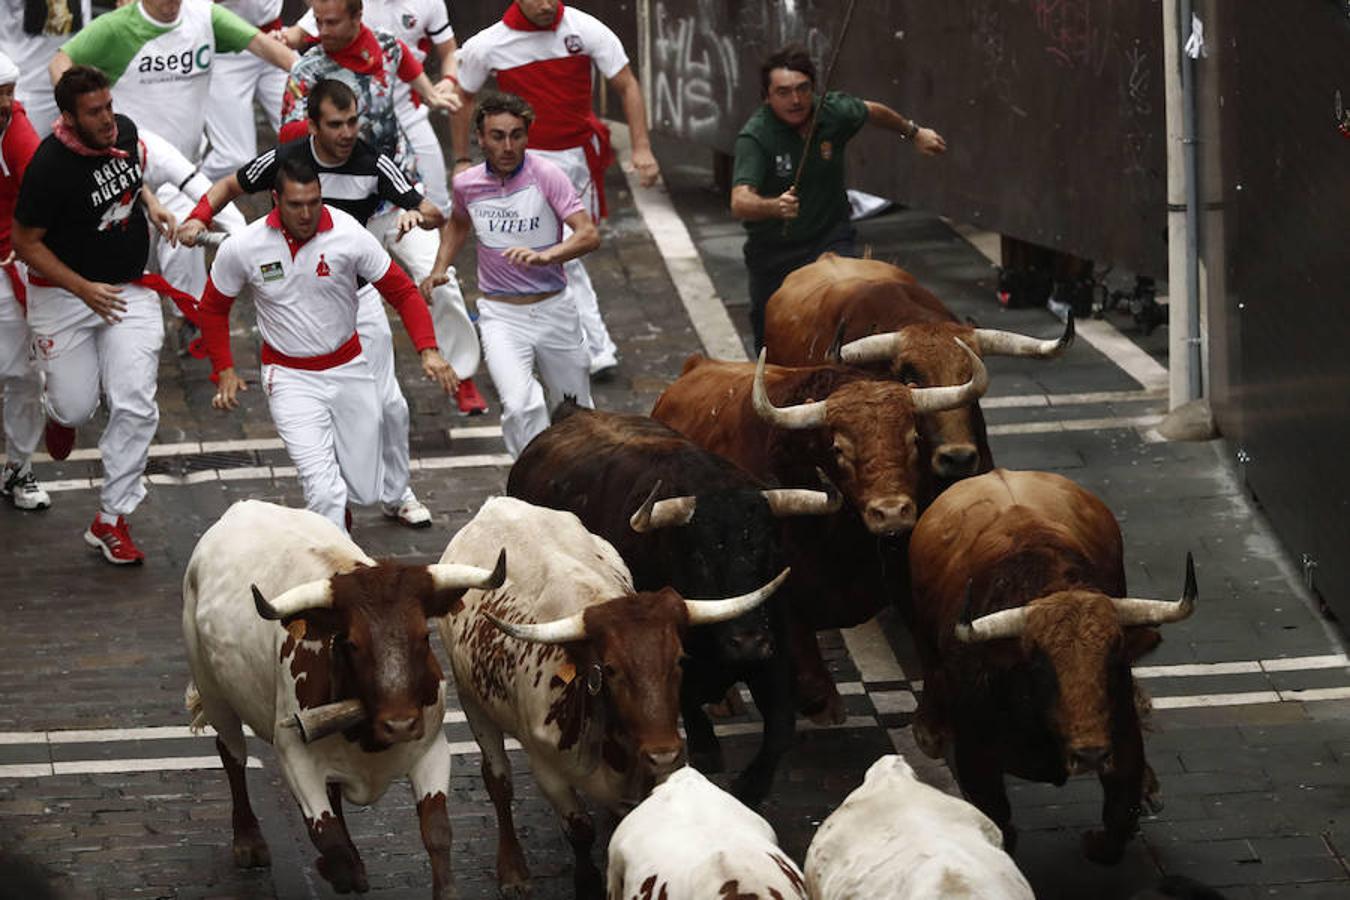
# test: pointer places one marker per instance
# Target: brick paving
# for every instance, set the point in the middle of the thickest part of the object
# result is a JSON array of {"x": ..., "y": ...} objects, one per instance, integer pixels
[{"x": 1256, "y": 794}]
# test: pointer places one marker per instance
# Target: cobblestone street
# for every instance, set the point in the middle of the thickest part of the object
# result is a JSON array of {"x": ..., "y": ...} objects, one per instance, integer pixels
[{"x": 103, "y": 786}]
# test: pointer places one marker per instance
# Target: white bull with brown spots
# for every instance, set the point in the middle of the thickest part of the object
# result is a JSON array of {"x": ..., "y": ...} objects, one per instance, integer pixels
[
  {"x": 691, "y": 840},
  {"x": 574, "y": 664},
  {"x": 283, "y": 613}
]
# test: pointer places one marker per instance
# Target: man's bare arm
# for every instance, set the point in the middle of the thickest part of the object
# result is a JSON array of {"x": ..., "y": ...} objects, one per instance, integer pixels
[
  {"x": 625, "y": 84},
  {"x": 453, "y": 236},
  {"x": 584, "y": 238},
  {"x": 460, "y": 123},
  {"x": 926, "y": 140},
  {"x": 57, "y": 67},
  {"x": 271, "y": 50},
  {"x": 104, "y": 299},
  {"x": 748, "y": 206},
  {"x": 219, "y": 195}
]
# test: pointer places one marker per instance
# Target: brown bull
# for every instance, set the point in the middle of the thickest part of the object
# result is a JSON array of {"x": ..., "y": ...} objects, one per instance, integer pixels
[
  {"x": 1027, "y": 639},
  {"x": 783, "y": 425},
  {"x": 864, "y": 312}
]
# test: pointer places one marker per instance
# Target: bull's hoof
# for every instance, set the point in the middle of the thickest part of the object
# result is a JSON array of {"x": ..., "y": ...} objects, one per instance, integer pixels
[
  {"x": 445, "y": 892},
  {"x": 1152, "y": 793},
  {"x": 931, "y": 742},
  {"x": 588, "y": 884},
  {"x": 343, "y": 873},
  {"x": 250, "y": 852},
  {"x": 514, "y": 891},
  {"x": 826, "y": 711},
  {"x": 1103, "y": 849}
]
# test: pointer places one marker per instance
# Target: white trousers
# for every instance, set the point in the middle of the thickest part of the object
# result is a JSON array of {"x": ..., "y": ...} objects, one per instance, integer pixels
[
  {"x": 81, "y": 355},
  {"x": 416, "y": 252},
  {"x": 377, "y": 343},
  {"x": 40, "y": 106},
  {"x": 430, "y": 159},
  {"x": 20, "y": 377},
  {"x": 237, "y": 80},
  {"x": 599, "y": 345},
  {"x": 329, "y": 421},
  {"x": 183, "y": 267},
  {"x": 517, "y": 339}
]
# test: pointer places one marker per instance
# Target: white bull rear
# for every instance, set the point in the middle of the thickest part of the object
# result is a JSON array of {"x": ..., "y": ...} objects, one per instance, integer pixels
[
  {"x": 690, "y": 840},
  {"x": 896, "y": 838}
]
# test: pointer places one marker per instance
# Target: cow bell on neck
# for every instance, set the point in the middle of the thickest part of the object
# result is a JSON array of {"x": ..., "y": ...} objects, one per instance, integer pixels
[{"x": 595, "y": 679}]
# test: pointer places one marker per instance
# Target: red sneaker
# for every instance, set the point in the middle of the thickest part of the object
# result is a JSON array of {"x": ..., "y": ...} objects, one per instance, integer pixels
[
  {"x": 471, "y": 403},
  {"x": 60, "y": 439},
  {"x": 114, "y": 542}
]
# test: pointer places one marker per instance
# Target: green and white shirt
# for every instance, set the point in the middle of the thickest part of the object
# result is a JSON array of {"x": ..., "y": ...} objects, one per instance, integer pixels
[{"x": 161, "y": 73}]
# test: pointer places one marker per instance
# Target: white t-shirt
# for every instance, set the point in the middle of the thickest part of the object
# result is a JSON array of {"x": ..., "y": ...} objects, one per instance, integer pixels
[
  {"x": 255, "y": 12},
  {"x": 499, "y": 48},
  {"x": 31, "y": 53},
  {"x": 306, "y": 295}
]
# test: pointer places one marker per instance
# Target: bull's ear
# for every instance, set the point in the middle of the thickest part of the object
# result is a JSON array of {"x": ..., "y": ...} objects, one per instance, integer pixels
[
  {"x": 836, "y": 352},
  {"x": 1140, "y": 641},
  {"x": 443, "y": 602}
]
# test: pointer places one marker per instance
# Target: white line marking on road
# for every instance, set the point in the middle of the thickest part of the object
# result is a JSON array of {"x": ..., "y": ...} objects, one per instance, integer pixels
[
  {"x": 1328, "y": 661},
  {"x": 1281, "y": 664},
  {"x": 28, "y": 770},
  {"x": 697, "y": 292},
  {"x": 163, "y": 764},
  {"x": 1018, "y": 401},
  {"x": 476, "y": 431},
  {"x": 871, "y": 652},
  {"x": 1246, "y": 698},
  {"x": 1063, "y": 425}
]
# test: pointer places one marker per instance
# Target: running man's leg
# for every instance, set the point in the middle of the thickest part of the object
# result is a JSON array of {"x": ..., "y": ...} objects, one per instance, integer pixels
[
  {"x": 377, "y": 343},
  {"x": 301, "y": 411},
  {"x": 508, "y": 350},
  {"x": 23, "y": 418},
  {"x": 560, "y": 351},
  {"x": 229, "y": 113},
  {"x": 430, "y": 159},
  {"x": 355, "y": 402},
  {"x": 65, "y": 333},
  {"x": 129, "y": 371}
]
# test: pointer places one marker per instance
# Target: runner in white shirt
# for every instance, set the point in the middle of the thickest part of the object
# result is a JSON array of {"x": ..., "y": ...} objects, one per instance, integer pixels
[
  {"x": 543, "y": 53},
  {"x": 34, "y": 30},
  {"x": 518, "y": 204},
  {"x": 237, "y": 80},
  {"x": 302, "y": 263},
  {"x": 423, "y": 25}
]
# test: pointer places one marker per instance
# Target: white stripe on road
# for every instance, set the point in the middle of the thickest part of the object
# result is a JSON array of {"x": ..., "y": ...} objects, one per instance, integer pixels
[
  {"x": 1283, "y": 664},
  {"x": 1063, "y": 425}
]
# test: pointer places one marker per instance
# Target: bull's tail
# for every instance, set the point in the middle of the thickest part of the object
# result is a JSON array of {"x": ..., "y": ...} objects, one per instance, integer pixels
[{"x": 192, "y": 699}]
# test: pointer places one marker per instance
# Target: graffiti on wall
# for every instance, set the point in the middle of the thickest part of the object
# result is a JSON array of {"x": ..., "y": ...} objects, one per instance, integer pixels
[
  {"x": 697, "y": 72},
  {"x": 1076, "y": 36}
]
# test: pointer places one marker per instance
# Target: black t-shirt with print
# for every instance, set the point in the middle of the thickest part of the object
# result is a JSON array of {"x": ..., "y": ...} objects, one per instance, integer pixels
[
  {"x": 356, "y": 187},
  {"x": 90, "y": 207}
]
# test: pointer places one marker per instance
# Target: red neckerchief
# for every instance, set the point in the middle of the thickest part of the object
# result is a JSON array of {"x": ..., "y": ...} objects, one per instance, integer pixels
[
  {"x": 363, "y": 55},
  {"x": 274, "y": 221},
  {"x": 67, "y": 136},
  {"x": 515, "y": 19}
]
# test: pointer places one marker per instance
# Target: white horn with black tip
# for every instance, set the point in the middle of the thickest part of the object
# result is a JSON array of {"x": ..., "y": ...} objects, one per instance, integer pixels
[
  {"x": 654, "y": 514},
  {"x": 310, "y": 595},
  {"x": 1135, "y": 611},
  {"x": 1008, "y": 343},
  {"x": 559, "y": 631},
  {"x": 710, "y": 612},
  {"x": 792, "y": 418},
  {"x": 939, "y": 399},
  {"x": 453, "y": 576}
]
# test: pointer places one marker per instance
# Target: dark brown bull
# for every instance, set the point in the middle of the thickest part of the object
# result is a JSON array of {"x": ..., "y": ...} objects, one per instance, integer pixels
[
  {"x": 702, "y": 526},
  {"x": 1026, "y": 639},
  {"x": 864, "y": 312},
  {"x": 783, "y": 425}
]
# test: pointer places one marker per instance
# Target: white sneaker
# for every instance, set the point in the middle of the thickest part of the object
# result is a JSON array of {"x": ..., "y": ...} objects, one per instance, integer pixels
[
  {"x": 18, "y": 484},
  {"x": 409, "y": 511}
]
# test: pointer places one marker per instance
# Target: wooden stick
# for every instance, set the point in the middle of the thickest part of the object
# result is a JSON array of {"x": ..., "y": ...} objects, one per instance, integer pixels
[{"x": 321, "y": 721}]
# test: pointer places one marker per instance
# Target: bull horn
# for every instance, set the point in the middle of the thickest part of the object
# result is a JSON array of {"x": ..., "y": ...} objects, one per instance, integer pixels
[
  {"x": 1006, "y": 623},
  {"x": 792, "y": 418},
  {"x": 310, "y": 595},
  {"x": 1133, "y": 611},
  {"x": 710, "y": 612},
  {"x": 834, "y": 354},
  {"x": 784, "y": 502},
  {"x": 559, "y": 631},
  {"x": 939, "y": 399},
  {"x": 654, "y": 514},
  {"x": 453, "y": 576},
  {"x": 874, "y": 348},
  {"x": 1008, "y": 343}
]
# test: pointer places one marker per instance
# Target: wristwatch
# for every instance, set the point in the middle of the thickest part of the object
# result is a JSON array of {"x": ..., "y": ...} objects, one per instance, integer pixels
[{"x": 908, "y": 133}]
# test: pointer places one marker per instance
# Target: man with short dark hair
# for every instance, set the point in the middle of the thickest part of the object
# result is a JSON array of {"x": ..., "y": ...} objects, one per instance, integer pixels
[
  {"x": 789, "y": 225},
  {"x": 355, "y": 179},
  {"x": 518, "y": 204},
  {"x": 373, "y": 62},
  {"x": 81, "y": 226},
  {"x": 303, "y": 263}
]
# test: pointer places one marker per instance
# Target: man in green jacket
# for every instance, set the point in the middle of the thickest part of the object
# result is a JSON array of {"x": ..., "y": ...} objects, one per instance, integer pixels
[{"x": 788, "y": 227}]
